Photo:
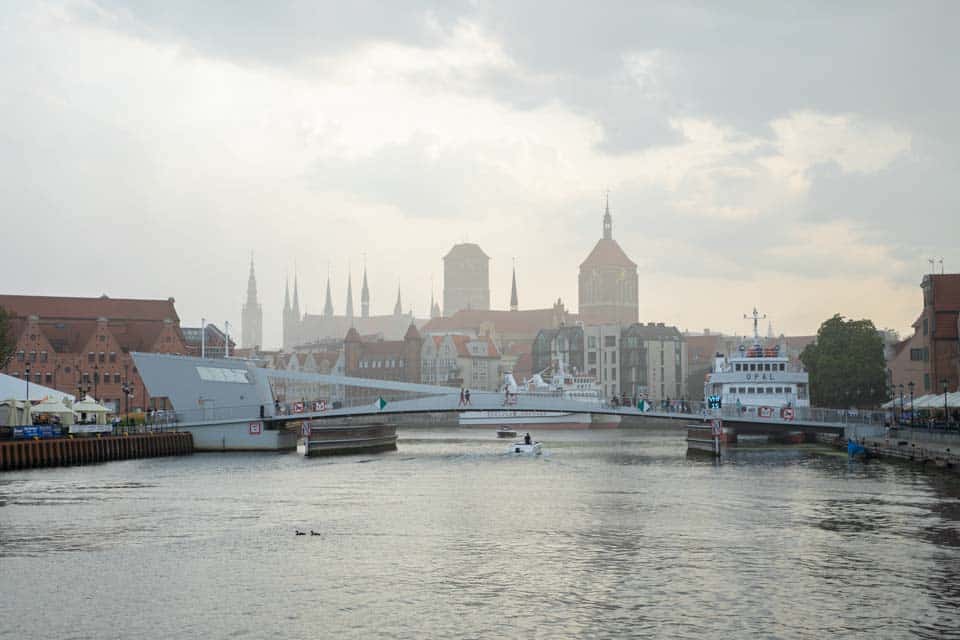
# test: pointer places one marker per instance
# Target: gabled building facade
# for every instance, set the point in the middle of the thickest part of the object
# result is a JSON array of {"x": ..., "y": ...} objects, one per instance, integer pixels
[{"x": 82, "y": 345}]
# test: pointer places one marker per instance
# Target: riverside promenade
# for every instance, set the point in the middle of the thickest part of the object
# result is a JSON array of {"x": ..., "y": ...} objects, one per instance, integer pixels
[{"x": 917, "y": 445}]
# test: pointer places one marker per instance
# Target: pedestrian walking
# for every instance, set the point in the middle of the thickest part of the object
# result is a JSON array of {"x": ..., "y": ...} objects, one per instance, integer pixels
[
  {"x": 466, "y": 396},
  {"x": 462, "y": 398}
]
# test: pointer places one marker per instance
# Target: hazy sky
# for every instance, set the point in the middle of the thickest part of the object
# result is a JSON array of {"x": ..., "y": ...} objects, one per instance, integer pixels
[{"x": 801, "y": 157}]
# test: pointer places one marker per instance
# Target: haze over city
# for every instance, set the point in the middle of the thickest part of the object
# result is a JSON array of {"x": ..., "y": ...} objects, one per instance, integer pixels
[{"x": 797, "y": 158}]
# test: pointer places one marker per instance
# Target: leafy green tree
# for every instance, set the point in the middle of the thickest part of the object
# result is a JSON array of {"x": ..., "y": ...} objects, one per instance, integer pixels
[
  {"x": 846, "y": 365},
  {"x": 7, "y": 340}
]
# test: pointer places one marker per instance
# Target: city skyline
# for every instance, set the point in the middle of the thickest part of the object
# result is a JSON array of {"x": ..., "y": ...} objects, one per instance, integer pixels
[{"x": 151, "y": 150}]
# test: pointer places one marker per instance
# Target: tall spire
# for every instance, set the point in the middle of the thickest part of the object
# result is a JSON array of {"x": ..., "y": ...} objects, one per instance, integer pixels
[
  {"x": 328, "y": 304},
  {"x": 251, "y": 284},
  {"x": 364, "y": 294},
  {"x": 296, "y": 298},
  {"x": 286, "y": 295},
  {"x": 607, "y": 221},
  {"x": 251, "y": 317},
  {"x": 398, "y": 308},
  {"x": 513, "y": 290},
  {"x": 349, "y": 296}
]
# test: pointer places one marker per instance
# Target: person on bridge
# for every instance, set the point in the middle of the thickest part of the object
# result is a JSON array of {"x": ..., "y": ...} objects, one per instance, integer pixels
[
  {"x": 526, "y": 439},
  {"x": 461, "y": 397},
  {"x": 466, "y": 396}
]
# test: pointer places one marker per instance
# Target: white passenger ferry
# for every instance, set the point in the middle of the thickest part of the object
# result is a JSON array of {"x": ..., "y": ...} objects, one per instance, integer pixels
[
  {"x": 561, "y": 385},
  {"x": 759, "y": 380}
]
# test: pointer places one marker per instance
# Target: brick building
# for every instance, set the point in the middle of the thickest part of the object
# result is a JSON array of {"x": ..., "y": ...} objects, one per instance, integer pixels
[
  {"x": 608, "y": 285},
  {"x": 82, "y": 345},
  {"x": 382, "y": 359},
  {"x": 932, "y": 354}
]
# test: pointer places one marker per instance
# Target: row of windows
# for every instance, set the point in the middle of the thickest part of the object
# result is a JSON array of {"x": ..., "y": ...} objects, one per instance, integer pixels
[
  {"x": 390, "y": 363},
  {"x": 749, "y": 390},
  {"x": 47, "y": 378},
  {"x": 761, "y": 366},
  {"x": 920, "y": 355}
]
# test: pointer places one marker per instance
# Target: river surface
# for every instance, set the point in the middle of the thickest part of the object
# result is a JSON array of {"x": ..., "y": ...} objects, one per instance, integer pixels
[{"x": 610, "y": 534}]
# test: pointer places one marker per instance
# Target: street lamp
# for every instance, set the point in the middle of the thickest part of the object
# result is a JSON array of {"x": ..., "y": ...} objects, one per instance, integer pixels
[
  {"x": 946, "y": 416},
  {"x": 901, "y": 402},
  {"x": 28, "y": 384},
  {"x": 912, "y": 410}
]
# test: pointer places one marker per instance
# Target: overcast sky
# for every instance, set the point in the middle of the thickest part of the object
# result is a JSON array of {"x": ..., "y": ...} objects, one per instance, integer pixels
[{"x": 800, "y": 157}]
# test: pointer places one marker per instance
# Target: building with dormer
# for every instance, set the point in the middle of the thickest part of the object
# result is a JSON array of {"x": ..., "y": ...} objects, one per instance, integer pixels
[
  {"x": 83, "y": 345},
  {"x": 608, "y": 286}
]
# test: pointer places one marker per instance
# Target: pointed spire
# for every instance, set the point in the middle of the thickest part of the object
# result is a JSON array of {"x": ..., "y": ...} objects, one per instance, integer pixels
[
  {"x": 398, "y": 308},
  {"x": 286, "y": 294},
  {"x": 296, "y": 297},
  {"x": 328, "y": 304},
  {"x": 607, "y": 221},
  {"x": 513, "y": 290},
  {"x": 349, "y": 296},
  {"x": 364, "y": 294},
  {"x": 252, "y": 284}
]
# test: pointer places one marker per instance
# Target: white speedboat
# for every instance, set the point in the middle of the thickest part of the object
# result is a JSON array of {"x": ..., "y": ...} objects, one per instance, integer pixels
[{"x": 521, "y": 447}]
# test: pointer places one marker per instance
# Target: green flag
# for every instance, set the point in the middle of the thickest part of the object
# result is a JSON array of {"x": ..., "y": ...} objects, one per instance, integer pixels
[{"x": 380, "y": 403}]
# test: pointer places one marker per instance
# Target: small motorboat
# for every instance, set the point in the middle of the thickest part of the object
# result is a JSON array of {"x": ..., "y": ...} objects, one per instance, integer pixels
[
  {"x": 506, "y": 432},
  {"x": 521, "y": 447}
]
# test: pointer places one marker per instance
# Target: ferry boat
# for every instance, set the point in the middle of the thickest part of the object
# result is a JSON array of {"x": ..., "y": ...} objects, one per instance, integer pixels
[
  {"x": 758, "y": 380},
  {"x": 561, "y": 385}
]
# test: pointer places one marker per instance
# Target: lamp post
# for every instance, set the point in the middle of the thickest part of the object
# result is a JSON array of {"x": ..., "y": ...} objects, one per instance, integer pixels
[
  {"x": 946, "y": 416},
  {"x": 901, "y": 402},
  {"x": 96, "y": 381},
  {"x": 28, "y": 383},
  {"x": 912, "y": 411}
]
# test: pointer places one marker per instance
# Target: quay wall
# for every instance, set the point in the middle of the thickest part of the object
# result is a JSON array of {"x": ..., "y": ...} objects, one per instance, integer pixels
[
  {"x": 915, "y": 451},
  {"x": 60, "y": 452}
]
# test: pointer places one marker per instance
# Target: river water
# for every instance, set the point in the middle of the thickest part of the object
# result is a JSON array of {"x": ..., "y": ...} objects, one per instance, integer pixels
[{"x": 609, "y": 534}]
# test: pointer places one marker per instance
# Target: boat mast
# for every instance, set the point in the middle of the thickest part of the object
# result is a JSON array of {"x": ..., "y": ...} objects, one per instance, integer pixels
[{"x": 756, "y": 317}]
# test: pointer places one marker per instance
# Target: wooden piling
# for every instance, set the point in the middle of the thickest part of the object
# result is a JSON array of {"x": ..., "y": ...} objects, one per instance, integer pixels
[{"x": 30, "y": 454}]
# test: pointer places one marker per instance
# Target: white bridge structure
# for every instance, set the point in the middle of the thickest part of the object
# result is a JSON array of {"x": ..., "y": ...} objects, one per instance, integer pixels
[{"x": 236, "y": 405}]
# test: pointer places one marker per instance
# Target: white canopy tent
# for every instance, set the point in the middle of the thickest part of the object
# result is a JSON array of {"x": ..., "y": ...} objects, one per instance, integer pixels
[
  {"x": 11, "y": 387},
  {"x": 53, "y": 407},
  {"x": 89, "y": 409}
]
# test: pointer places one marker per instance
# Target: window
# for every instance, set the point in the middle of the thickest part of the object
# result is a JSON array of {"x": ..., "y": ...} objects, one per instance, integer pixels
[
  {"x": 116, "y": 378},
  {"x": 753, "y": 366},
  {"x": 91, "y": 357},
  {"x": 103, "y": 357},
  {"x": 591, "y": 342},
  {"x": 113, "y": 356},
  {"x": 926, "y": 326},
  {"x": 749, "y": 390},
  {"x": 86, "y": 378},
  {"x": 613, "y": 357},
  {"x": 613, "y": 374},
  {"x": 66, "y": 369},
  {"x": 766, "y": 367},
  {"x": 20, "y": 356},
  {"x": 778, "y": 390},
  {"x": 33, "y": 356},
  {"x": 736, "y": 367},
  {"x": 610, "y": 341},
  {"x": 926, "y": 382},
  {"x": 43, "y": 356},
  {"x": 49, "y": 378},
  {"x": 920, "y": 355},
  {"x": 783, "y": 367}
]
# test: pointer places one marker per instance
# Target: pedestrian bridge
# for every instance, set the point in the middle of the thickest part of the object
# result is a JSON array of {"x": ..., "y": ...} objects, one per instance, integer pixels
[{"x": 236, "y": 395}]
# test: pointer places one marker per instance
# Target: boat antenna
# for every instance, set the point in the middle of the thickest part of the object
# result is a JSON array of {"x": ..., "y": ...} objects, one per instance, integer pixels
[{"x": 756, "y": 317}]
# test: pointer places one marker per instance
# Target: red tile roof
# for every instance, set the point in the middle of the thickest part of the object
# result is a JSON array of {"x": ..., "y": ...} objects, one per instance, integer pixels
[
  {"x": 90, "y": 308},
  {"x": 527, "y": 322},
  {"x": 607, "y": 253}
]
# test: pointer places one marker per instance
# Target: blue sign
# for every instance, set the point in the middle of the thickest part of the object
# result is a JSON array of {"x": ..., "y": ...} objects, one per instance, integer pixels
[{"x": 713, "y": 402}]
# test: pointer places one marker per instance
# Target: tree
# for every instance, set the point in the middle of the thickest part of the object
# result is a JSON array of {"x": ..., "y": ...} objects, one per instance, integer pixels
[
  {"x": 846, "y": 365},
  {"x": 8, "y": 341}
]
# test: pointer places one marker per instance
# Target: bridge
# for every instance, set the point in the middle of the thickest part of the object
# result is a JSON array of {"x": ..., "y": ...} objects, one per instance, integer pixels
[{"x": 232, "y": 404}]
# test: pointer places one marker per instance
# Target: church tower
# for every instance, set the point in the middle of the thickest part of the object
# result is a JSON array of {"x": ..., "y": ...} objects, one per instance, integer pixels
[
  {"x": 608, "y": 282},
  {"x": 466, "y": 279},
  {"x": 251, "y": 318},
  {"x": 398, "y": 308},
  {"x": 514, "y": 305},
  {"x": 364, "y": 296},
  {"x": 287, "y": 327}
]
